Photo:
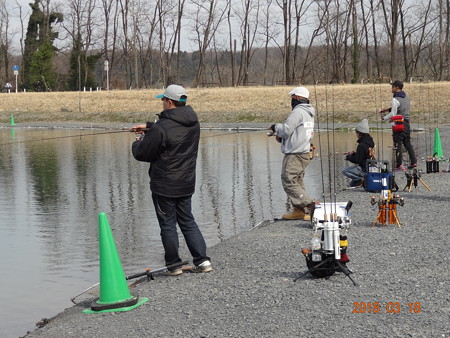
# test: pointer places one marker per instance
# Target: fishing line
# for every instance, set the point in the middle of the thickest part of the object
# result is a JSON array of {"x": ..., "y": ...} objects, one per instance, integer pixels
[
  {"x": 115, "y": 132},
  {"x": 430, "y": 148},
  {"x": 380, "y": 153},
  {"x": 63, "y": 137},
  {"x": 334, "y": 147},
  {"x": 328, "y": 140},
  {"x": 426, "y": 113},
  {"x": 418, "y": 122},
  {"x": 320, "y": 142}
]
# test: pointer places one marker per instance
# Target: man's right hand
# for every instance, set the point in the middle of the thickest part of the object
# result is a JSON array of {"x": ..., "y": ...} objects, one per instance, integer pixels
[{"x": 138, "y": 128}]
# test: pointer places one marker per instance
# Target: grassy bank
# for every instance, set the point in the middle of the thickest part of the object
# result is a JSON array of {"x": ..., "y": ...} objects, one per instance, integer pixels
[{"x": 430, "y": 102}]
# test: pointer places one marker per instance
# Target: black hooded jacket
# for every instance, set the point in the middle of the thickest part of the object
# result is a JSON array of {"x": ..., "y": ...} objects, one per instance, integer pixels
[
  {"x": 362, "y": 151},
  {"x": 171, "y": 146}
]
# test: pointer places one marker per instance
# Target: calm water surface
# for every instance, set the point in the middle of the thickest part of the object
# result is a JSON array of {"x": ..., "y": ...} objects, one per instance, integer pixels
[{"x": 53, "y": 184}]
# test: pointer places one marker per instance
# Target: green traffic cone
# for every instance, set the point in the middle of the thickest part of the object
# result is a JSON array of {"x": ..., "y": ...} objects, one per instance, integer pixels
[
  {"x": 437, "y": 145},
  {"x": 12, "y": 120},
  {"x": 114, "y": 292}
]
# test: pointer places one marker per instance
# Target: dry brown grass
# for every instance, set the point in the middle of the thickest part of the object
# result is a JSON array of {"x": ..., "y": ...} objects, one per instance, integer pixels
[{"x": 346, "y": 103}]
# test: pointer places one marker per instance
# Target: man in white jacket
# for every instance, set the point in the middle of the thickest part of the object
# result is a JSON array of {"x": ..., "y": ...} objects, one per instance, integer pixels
[{"x": 295, "y": 136}]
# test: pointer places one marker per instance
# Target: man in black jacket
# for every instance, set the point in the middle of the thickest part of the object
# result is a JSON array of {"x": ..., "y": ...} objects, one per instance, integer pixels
[
  {"x": 364, "y": 151},
  {"x": 171, "y": 146}
]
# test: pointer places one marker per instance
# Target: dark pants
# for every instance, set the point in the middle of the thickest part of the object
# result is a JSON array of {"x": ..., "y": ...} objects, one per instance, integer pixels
[
  {"x": 404, "y": 138},
  {"x": 171, "y": 211}
]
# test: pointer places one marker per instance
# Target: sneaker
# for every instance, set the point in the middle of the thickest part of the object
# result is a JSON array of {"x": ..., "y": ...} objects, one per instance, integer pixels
[
  {"x": 401, "y": 167},
  {"x": 297, "y": 213},
  {"x": 175, "y": 272},
  {"x": 357, "y": 184},
  {"x": 412, "y": 166},
  {"x": 203, "y": 267}
]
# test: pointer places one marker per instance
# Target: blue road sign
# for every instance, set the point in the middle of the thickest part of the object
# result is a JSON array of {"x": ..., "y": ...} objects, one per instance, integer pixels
[{"x": 16, "y": 67}]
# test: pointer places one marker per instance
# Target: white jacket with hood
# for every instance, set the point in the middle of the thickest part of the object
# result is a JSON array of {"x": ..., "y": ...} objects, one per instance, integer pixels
[{"x": 296, "y": 133}]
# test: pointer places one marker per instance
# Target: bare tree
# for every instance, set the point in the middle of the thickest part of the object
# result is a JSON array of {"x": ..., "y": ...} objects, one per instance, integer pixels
[
  {"x": 391, "y": 20},
  {"x": 356, "y": 46},
  {"x": 418, "y": 24},
  {"x": 151, "y": 22},
  {"x": 375, "y": 38},
  {"x": 169, "y": 23},
  {"x": 300, "y": 8},
  {"x": 208, "y": 16},
  {"x": 21, "y": 18},
  {"x": 110, "y": 10},
  {"x": 232, "y": 44},
  {"x": 81, "y": 27},
  {"x": 318, "y": 31},
  {"x": 285, "y": 6},
  {"x": 444, "y": 28},
  {"x": 365, "y": 20},
  {"x": 248, "y": 27},
  {"x": 268, "y": 33},
  {"x": 337, "y": 23},
  {"x": 4, "y": 38}
]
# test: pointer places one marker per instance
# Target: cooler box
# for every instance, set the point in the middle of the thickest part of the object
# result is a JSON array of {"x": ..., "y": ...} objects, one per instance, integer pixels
[
  {"x": 378, "y": 177},
  {"x": 375, "y": 182}
]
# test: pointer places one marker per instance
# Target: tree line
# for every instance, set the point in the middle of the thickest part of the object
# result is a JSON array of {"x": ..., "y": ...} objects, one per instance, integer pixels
[{"x": 78, "y": 44}]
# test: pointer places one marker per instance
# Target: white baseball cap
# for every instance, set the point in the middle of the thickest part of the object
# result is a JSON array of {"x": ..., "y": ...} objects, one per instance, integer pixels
[
  {"x": 300, "y": 91},
  {"x": 174, "y": 92}
]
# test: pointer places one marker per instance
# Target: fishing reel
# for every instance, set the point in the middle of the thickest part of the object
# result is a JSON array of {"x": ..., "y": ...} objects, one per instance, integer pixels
[
  {"x": 387, "y": 197},
  {"x": 340, "y": 213},
  {"x": 272, "y": 131},
  {"x": 343, "y": 222},
  {"x": 387, "y": 208}
]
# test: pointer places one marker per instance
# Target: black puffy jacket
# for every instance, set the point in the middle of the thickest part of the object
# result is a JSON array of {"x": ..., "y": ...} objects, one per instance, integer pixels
[
  {"x": 362, "y": 153},
  {"x": 171, "y": 146}
]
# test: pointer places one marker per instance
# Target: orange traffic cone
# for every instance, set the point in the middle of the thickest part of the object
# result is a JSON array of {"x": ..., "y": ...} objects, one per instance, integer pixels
[{"x": 114, "y": 292}]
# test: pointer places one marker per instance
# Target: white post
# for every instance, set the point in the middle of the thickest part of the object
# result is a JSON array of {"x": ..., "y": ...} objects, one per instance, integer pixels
[
  {"x": 107, "y": 74},
  {"x": 16, "y": 72}
]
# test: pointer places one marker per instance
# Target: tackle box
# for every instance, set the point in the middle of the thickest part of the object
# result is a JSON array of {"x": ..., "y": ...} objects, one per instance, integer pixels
[{"x": 378, "y": 176}]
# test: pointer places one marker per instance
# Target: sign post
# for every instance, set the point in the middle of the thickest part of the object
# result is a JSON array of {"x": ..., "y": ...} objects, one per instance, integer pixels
[
  {"x": 107, "y": 74},
  {"x": 16, "y": 73}
]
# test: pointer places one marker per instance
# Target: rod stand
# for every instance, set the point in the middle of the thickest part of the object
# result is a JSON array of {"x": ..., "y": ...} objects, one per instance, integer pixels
[{"x": 336, "y": 265}]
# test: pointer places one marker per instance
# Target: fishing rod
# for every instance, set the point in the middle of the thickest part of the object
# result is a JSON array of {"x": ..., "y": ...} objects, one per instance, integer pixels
[
  {"x": 147, "y": 274},
  {"x": 320, "y": 141},
  {"x": 67, "y": 136},
  {"x": 130, "y": 130}
]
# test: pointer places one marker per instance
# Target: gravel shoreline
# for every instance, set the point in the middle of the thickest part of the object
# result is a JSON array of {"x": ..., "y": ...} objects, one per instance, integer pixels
[{"x": 252, "y": 293}]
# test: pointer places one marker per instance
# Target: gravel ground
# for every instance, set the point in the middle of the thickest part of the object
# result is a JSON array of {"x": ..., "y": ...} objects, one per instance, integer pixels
[{"x": 252, "y": 293}]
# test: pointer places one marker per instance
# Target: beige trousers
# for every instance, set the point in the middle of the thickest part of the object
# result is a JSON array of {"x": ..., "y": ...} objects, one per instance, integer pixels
[{"x": 292, "y": 174}]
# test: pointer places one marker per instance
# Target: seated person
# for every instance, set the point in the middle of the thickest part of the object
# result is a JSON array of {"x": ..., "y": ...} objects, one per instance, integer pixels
[{"x": 364, "y": 152}]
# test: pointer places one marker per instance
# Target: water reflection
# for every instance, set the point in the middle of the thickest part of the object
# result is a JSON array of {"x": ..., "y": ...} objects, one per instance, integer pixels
[{"x": 55, "y": 182}]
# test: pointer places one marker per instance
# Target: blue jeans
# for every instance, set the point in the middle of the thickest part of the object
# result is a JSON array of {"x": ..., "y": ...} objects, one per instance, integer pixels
[
  {"x": 355, "y": 173},
  {"x": 171, "y": 211}
]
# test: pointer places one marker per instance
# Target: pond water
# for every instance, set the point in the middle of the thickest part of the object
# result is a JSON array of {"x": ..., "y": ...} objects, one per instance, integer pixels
[{"x": 53, "y": 184}]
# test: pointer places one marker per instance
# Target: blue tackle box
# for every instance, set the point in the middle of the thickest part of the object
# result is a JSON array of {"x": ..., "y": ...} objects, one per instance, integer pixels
[{"x": 378, "y": 176}]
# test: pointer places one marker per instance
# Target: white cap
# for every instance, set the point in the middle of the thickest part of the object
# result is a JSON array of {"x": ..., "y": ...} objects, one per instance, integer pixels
[
  {"x": 300, "y": 91},
  {"x": 174, "y": 92}
]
